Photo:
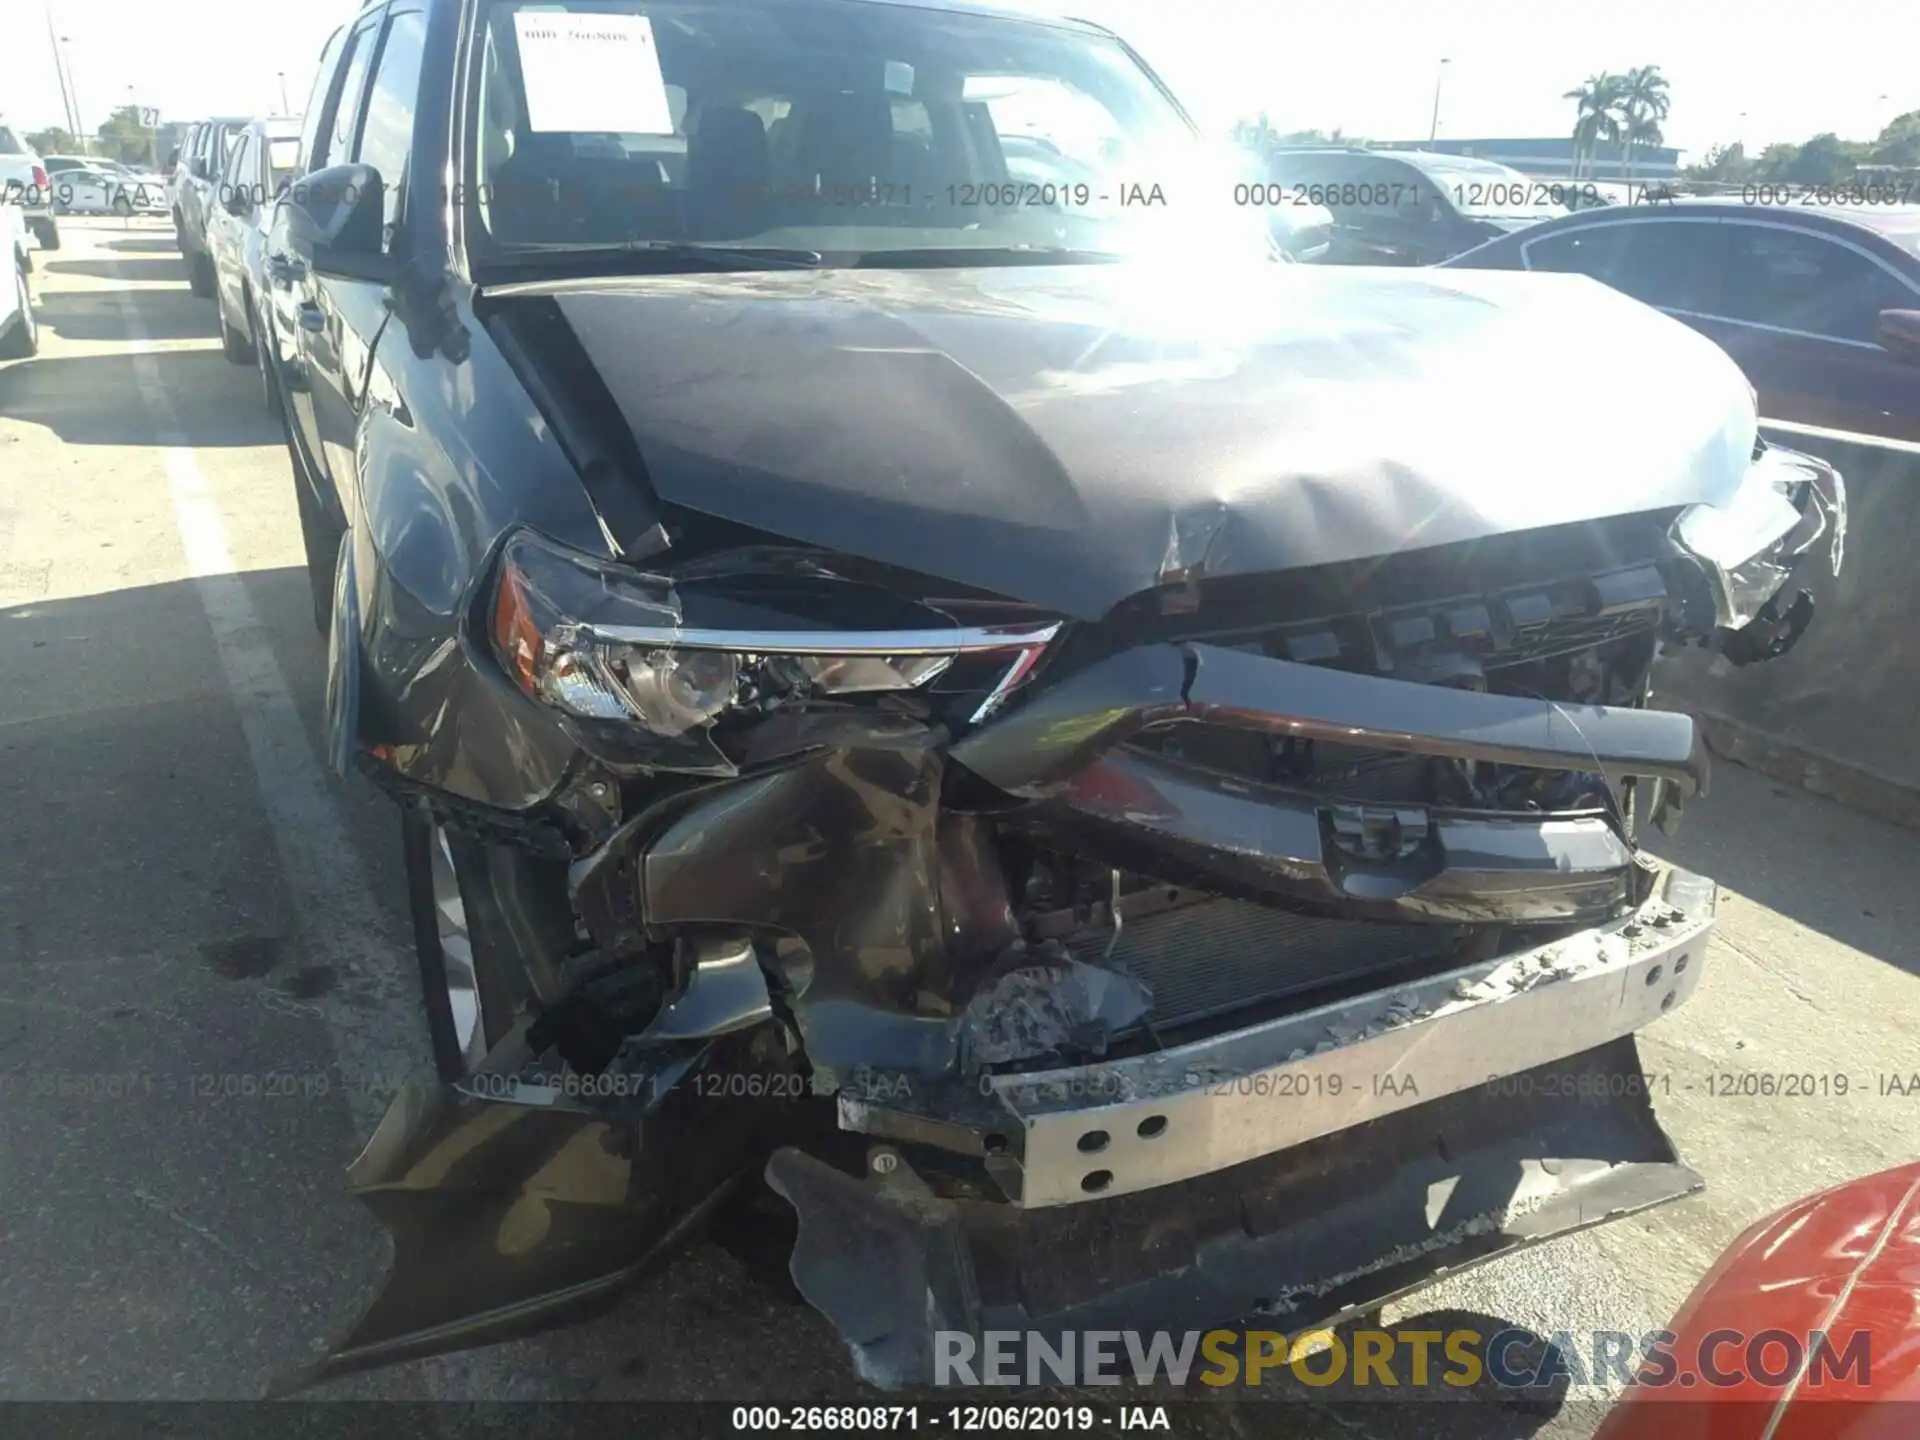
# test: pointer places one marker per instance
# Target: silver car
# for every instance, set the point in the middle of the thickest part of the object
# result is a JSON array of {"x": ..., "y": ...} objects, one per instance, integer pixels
[
  {"x": 264, "y": 158},
  {"x": 83, "y": 186},
  {"x": 192, "y": 196}
]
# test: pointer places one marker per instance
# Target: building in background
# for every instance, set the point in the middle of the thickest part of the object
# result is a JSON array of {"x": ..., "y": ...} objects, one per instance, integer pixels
[{"x": 1552, "y": 158}]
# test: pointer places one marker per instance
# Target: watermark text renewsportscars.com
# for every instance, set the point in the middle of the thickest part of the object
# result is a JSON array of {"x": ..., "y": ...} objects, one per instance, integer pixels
[{"x": 1408, "y": 1358}]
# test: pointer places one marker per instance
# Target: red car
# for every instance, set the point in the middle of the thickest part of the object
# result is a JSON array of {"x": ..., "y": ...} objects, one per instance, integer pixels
[
  {"x": 1836, "y": 1273},
  {"x": 1821, "y": 307}
]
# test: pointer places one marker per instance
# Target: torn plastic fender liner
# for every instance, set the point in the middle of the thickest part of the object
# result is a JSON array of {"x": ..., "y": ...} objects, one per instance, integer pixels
[
  {"x": 509, "y": 1217},
  {"x": 1036, "y": 748},
  {"x": 1309, "y": 1235}
]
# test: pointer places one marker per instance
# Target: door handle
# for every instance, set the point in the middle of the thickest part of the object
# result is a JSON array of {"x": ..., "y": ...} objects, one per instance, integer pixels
[
  {"x": 283, "y": 271},
  {"x": 311, "y": 317}
]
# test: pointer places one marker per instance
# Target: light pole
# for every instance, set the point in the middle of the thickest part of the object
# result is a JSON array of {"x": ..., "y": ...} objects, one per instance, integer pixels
[
  {"x": 1433, "y": 131},
  {"x": 60, "y": 72},
  {"x": 73, "y": 88},
  {"x": 285, "y": 108}
]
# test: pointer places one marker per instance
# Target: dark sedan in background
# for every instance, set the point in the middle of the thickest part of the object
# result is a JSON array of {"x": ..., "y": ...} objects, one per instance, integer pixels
[
  {"x": 1820, "y": 307},
  {"x": 1410, "y": 207}
]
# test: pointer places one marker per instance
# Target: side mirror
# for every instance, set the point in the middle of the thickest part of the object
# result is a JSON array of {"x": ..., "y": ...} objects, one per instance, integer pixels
[
  {"x": 237, "y": 201},
  {"x": 1899, "y": 334},
  {"x": 336, "y": 223}
]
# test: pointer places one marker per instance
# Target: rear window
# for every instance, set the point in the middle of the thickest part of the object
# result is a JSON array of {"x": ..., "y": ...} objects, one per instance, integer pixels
[{"x": 1901, "y": 226}]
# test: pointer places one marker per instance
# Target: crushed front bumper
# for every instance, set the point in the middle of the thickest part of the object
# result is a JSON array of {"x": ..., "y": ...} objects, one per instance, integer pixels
[
  {"x": 1304, "y": 1167},
  {"x": 1061, "y": 1137},
  {"x": 1309, "y": 1168}
]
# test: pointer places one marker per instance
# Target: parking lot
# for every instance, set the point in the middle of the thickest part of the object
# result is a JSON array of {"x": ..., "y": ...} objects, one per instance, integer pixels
[{"x": 189, "y": 899}]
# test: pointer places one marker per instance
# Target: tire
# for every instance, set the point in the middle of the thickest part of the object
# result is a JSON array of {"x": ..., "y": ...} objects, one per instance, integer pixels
[
  {"x": 123, "y": 207},
  {"x": 200, "y": 278},
  {"x": 46, "y": 231},
  {"x": 481, "y": 915},
  {"x": 23, "y": 339},
  {"x": 321, "y": 536},
  {"x": 235, "y": 346}
]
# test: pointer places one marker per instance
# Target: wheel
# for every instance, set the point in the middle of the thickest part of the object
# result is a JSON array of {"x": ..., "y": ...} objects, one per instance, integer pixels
[
  {"x": 122, "y": 206},
  {"x": 236, "y": 347},
  {"x": 321, "y": 536},
  {"x": 200, "y": 275},
  {"x": 485, "y": 918},
  {"x": 47, "y": 231},
  {"x": 24, "y": 338}
]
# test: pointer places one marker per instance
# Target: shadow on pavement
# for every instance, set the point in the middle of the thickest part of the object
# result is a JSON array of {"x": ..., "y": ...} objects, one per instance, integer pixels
[
  {"x": 1482, "y": 1378},
  {"x": 96, "y": 316},
  {"x": 63, "y": 394},
  {"x": 143, "y": 244},
  {"x": 138, "y": 267}
]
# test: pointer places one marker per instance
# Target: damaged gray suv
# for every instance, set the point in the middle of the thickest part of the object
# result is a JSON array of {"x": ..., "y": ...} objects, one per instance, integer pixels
[{"x": 1103, "y": 769}]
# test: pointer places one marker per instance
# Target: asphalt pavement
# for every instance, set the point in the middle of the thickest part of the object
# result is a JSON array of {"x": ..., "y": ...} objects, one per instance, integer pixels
[{"x": 205, "y": 966}]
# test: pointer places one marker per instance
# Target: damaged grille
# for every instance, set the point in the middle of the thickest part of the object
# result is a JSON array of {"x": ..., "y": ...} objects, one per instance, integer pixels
[
  {"x": 1220, "y": 955},
  {"x": 1585, "y": 639},
  {"x": 1459, "y": 641}
]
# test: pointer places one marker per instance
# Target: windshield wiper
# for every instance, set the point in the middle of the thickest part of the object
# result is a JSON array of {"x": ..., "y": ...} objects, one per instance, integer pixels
[
  {"x": 958, "y": 256},
  {"x": 660, "y": 254}
]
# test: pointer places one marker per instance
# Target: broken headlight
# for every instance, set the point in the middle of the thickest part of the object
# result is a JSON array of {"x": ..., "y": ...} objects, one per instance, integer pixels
[
  {"x": 602, "y": 642},
  {"x": 1751, "y": 544}
]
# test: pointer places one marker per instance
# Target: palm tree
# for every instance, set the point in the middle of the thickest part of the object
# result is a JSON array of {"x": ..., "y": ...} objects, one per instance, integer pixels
[
  {"x": 1643, "y": 104},
  {"x": 1595, "y": 119}
]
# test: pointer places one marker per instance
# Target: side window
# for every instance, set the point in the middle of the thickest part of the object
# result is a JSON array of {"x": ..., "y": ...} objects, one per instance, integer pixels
[
  {"x": 1801, "y": 281},
  {"x": 386, "y": 139},
  {"x": 1393, "y": 187},
  {"x": 322, "y": 85},
  {"x": 1586, "y": 250},
  {"x": 342, "y": 117},
  {"x": 1675, "y": 264},
  {"x": 238, "y": 177},
  {"x": 1670, "y": 263}
]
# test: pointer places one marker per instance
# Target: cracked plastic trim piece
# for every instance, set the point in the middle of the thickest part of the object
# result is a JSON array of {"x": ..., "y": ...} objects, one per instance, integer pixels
[
  {"x": 1039, "y": 746},
  {"x": 1452, "y": 866},
  {"x": 1318, "y": 1233}
]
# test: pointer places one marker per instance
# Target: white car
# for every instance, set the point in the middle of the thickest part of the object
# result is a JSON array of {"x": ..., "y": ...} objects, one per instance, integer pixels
[
  {"x": 105, "y": 188},
  {"x": 19, "y": 331},
  {"x": 25, "y": 184}
]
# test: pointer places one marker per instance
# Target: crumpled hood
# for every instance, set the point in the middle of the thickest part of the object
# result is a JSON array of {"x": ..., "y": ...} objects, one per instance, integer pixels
[{"x": 1070, "y": 436}]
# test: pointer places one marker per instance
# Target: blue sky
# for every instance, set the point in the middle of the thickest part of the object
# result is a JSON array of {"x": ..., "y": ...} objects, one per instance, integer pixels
[{"x": 1367, "y": 66}]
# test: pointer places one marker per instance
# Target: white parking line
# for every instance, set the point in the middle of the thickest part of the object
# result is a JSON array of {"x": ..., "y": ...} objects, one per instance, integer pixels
[{"x": 372, "y": 1014}]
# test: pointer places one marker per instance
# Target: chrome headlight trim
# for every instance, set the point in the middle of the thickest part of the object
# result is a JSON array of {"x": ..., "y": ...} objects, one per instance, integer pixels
[
  {"x": 557, "y": 630},
  {"x": 1751, "y": 544}
]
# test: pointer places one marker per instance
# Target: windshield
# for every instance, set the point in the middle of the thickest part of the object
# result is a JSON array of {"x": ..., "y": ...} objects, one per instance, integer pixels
[
  {"x": 283, "y": 161},
  {"x": 849, "y": 130},
  {"x": 1494, "y": 192}
]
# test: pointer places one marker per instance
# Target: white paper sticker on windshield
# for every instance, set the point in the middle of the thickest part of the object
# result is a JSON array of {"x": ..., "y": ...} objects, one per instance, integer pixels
[{"x": 589, "y": 73}]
